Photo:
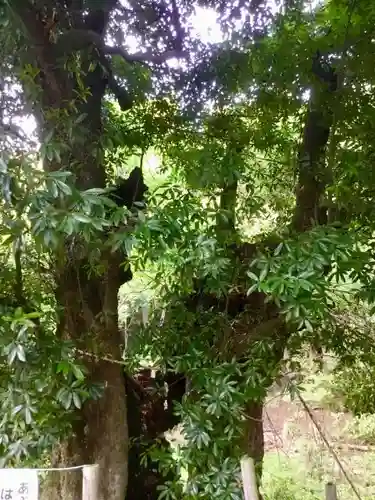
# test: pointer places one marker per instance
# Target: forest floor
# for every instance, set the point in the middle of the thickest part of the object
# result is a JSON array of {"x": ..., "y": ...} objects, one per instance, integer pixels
[{"x": 298, "y": 460}]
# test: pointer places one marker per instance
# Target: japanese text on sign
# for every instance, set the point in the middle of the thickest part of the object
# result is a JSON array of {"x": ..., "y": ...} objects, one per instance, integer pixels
[{"x": 19, "y": 484}]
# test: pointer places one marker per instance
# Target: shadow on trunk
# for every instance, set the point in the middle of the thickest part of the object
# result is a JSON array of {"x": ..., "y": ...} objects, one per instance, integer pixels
[{"x": 150, "y": 415}]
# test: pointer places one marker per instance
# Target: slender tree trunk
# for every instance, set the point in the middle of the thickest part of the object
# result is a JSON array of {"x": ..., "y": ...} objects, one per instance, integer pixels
[
  {"x": 254, "y": 436},
  {"x": 312, "y": 171}
]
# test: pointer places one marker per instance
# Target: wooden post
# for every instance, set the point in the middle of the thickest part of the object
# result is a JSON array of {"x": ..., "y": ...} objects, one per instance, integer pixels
[
  {"x": 90, "y": 482},
  {"x": 249, "y": 480},
  {"x": 331, "y": 492}
]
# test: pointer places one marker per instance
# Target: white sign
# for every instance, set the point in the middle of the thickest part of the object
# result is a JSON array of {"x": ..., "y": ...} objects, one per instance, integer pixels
[{"x": 19, "y": 484}]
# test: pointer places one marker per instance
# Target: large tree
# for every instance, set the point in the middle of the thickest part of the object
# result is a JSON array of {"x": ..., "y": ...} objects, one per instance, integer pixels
[
  {"x": 68, "y": 57},
  {"x": 250, "y": 300},
  {"x": 66, "y": 48},
  {"x": 71, "y": 58}
]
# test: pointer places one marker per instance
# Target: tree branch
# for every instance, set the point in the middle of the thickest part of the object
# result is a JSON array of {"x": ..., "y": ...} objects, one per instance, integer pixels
[
  {"x": 12, "y": 130},
  {"x": 145, "y": 57},
  {"x": 79, "y": 39},
  {"x": 18, "y": 284},
  {"x": 176, "y": 20},
  {"x": 123, "y": 97},
  {"x": 97, "y": 19},
  {"x": 28, "y": 16}
]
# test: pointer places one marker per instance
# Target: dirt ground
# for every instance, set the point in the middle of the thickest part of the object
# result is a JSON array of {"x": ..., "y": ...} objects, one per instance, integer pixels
[
  {"x": 294, "y": 444},
  {"x": 292, "y": 437},
  {"x": 286, "y": 421}
]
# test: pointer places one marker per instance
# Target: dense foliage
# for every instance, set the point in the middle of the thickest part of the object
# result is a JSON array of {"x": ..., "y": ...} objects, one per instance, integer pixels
[{"x": 256, "y": 236}]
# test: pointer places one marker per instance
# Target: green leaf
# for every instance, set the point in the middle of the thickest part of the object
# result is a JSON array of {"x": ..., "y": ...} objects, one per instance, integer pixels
[
  {"x": 278, "y": 249},
  {"x": 77, "y": 372},
  {"x": 66, "y": 398},
  {"x": 252, "y": 275},
  {"x": 308, "y": 325},
  {"x": 12, "y": 354},
  {"x": 21, "y": 353},
  {"x": 32, "y": 315},
  {"x": 77, "y": 400},
  {"x": 80, "y": 118},
  {"x": 28, "y": 416},
  {"x": 64, "y": 187},
  {"x": 63, "y": 367},
  {"x": 81, "y": 218},
  {"x": 94, "y": 191},
  {"x": 17, "y": 409},
  {"x": 263, "y": 273}
]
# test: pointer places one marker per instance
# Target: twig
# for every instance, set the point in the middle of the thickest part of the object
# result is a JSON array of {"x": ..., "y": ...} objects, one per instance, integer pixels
[
  {"x": 100, "y": 358},
  {"x": 357, "y": 447},
  {"x": 273, "y": 429},
  {"x": 329, "y": 447},
  {"x": 144, "y": 57},
  {"x": 60, "y": 469}
]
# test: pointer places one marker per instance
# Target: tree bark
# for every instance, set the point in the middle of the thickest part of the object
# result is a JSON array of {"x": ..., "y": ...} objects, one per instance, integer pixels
[
  {"x": 312, "y": 180},
  {"x": 151, "y": 415},
  {"x": 88, "y": 302},
  {"x": 312, "y": 171},
  {"x": 100, "y": 433},
  {"x": 254, "y": 437}
]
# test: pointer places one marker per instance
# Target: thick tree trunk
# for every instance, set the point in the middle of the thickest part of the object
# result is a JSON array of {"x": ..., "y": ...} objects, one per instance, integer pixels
[
  {"x": 89, "y": 318},
  {"x": 99, "y": 436},
  {"x": 100, "y": 433},
  {"x": 88, "y": 302}
]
